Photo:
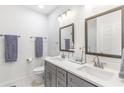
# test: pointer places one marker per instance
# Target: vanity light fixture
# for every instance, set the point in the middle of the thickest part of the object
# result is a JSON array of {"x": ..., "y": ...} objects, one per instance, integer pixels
[
  {"x": 64, "y": 15},
  {"x": 41, "y": 6}
]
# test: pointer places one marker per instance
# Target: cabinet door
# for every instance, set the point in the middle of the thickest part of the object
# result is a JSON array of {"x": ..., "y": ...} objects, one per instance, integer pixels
[
  {"x": 50, "y": 75},
  {"x": 61, "y": 74},
  {"x": 77, "y": 82},
  {"x": 52, "y": 79},
  {"x": 47, "y": 78},
  {"x": 61, "y": 83},
  {"x": 72, "y": 85}
]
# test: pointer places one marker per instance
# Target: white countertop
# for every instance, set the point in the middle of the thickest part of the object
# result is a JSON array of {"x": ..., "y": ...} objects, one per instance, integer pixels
[{"x": 73, "y": 68}]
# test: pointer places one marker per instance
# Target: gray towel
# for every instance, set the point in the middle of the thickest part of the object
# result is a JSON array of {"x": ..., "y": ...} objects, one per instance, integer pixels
[
  {"x": 11, "y": 48},
  {"x": 67, "y": 44},
  {"x": 121, "y": 74},
  {"x": 38, "y": 46}
]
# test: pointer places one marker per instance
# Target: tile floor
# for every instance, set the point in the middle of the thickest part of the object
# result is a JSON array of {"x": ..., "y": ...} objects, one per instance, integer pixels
[{"x": 28, "y": 82}]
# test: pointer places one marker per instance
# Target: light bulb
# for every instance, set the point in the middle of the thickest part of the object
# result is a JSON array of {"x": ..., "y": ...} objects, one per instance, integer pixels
[
  {"x": 41, "y": 6},
  {"x": 63, "y": 16},
  {"x": 69, "y": 12},
  {"x": 60, "y": 19}
]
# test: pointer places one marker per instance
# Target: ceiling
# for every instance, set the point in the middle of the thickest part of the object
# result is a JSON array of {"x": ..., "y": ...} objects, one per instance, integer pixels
[{"x": 46, "y": 10}]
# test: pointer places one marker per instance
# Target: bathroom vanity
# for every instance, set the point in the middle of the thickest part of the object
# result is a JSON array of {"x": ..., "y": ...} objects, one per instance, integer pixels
[
  {"x": 63, "y": 73},
  {"x": 58, "y": 77},
  {"x": 103, "y": 37}
]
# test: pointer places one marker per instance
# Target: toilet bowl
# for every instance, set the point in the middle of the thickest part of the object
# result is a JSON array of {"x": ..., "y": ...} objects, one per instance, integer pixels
[
  {"x": 38, "y": 75},
  {"x": 38, "y": 70}
]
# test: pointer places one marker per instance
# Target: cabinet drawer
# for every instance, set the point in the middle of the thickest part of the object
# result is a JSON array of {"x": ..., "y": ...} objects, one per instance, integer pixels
[
  {"x": 72, "y": 85},
  {"x": 50, "y": 66},
  {"x": 61, "y": 83},
  {"x": 74, "y": 80},
  {"x": 61, "y": 74}
]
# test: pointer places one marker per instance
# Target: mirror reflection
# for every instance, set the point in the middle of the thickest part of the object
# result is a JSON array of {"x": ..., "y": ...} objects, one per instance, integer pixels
[
  {"x": 67, "y": 38},
  {"x": 104, "y": 34}
]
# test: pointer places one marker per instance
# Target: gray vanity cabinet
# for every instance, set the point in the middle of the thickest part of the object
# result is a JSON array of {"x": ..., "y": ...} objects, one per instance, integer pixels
[
  {"x": 60, "y": 83},
  {"x": 61, "y": 77},
  {"x": 50, "y": 75},
  {"x": 74, "y": 81},
  {"x": 47, "y": 78},
  {"x": 72, "y": 85},
  {"x": 57, "y": 77}
]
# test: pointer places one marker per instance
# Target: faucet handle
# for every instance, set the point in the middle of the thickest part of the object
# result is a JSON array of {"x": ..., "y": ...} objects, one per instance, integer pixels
[
  {"x": 102, "y": 65},
  {"x": 63, "y": 55},
  {"x": 94, "y": 60}
]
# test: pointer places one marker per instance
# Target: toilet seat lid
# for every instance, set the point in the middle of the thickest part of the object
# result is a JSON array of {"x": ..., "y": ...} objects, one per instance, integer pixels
[{"x": 38, "y": 69}]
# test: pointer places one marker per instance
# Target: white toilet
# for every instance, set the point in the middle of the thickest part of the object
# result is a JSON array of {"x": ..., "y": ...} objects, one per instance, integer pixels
[
  {"x": 39, "y": 70},
  {"x": 38, "y": 75}
]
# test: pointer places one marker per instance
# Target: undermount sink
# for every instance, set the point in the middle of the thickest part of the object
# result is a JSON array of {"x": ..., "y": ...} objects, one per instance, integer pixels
[
  {"x": 58, "y": 59},
  {"x": 76, "y": 61},
  {"x": 97, "y": 72}
]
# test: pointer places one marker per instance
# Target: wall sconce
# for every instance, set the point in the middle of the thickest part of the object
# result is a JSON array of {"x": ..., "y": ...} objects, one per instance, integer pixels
[{"x": 64, "y": 15}]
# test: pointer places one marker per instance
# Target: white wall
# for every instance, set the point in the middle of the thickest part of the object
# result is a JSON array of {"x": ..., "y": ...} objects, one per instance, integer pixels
[
  {"x": 76, "y": 17},
  {"x": 95, "y": 9},
  {"x": 18, "y": 20},
  {"x": 79, "y": 13}
]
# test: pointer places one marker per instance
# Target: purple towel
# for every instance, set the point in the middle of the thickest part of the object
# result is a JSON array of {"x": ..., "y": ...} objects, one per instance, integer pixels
[
  {"x": 11, "y": 48},
  {"x": 67, "y": 44},
  {"x": 38, "y": 46}
]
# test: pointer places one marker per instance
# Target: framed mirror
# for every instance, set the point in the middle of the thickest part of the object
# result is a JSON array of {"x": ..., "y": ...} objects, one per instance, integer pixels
[
  {"x": 66, "y": 38},
  {"x": 103, "y": 33}
]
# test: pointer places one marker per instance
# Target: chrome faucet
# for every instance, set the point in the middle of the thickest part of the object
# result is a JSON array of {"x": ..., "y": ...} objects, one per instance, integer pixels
[
  {"x": 98, "y": 63},
  {"x": 63, "y": 55},
  {"x": 68, "y": 55}
]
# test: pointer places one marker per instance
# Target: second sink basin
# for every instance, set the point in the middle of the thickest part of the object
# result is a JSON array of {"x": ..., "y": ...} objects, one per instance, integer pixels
[
  {"x": 58, "y": 59},
  {"x": 97, "y": 72}
]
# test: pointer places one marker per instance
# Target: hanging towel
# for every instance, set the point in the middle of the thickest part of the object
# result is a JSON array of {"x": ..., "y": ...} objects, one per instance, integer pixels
[
  {"x": 121, "y": 74},
  {"x": 11, "y": 48},
  {"x": 38, "y": 46},
  {"x": 67, "y": 44}
]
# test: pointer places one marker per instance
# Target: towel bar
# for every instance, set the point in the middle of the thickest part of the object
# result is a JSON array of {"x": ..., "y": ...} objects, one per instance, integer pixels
[{"x": 4, "y": 35}]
